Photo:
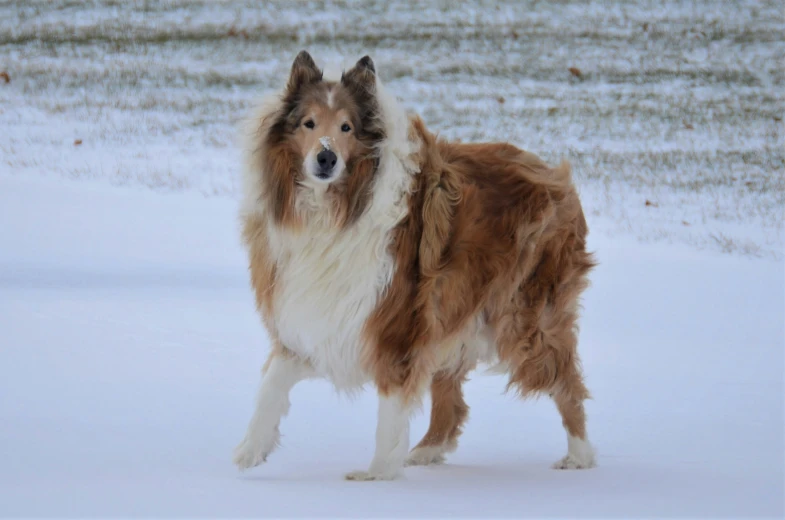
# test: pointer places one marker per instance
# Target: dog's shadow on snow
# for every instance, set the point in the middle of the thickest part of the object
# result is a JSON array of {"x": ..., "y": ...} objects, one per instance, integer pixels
[
  {"x": 448, "y": 473},
  {"x": 452, "y": 471}
]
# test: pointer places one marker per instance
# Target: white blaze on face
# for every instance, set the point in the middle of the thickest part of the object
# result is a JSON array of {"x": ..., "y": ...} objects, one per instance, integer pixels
[
  {"x": 326, "y": 141},
  {"x": 330, "y": 95}
]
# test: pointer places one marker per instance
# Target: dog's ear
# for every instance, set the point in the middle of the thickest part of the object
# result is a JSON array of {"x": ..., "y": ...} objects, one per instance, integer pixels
[
  {"x": 362, "y": 74},
  {"x": 360, "y": 82},
  {"x": 365, "y": 63},
  {"x": 304, "y": 71}
]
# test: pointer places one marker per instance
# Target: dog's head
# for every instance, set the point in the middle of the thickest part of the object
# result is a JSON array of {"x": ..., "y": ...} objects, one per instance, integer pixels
[{"x": 321, "y": 150}]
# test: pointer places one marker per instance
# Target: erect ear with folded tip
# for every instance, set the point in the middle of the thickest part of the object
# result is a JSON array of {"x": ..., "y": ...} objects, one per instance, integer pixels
[
  {"x": 363, "y": 73},
  {"x": 304, "y": 71},
  {"x": 366, "y": 63}
]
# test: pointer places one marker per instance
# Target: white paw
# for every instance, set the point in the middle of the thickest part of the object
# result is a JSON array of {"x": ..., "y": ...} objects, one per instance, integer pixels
[
  {"x": 425, "y": 456},
  {"x": 573, "y": 462},
  {"x": 367, "y": 476},
  {"x": 580, "y": 455},
  {"x": 249, "y": 454}
]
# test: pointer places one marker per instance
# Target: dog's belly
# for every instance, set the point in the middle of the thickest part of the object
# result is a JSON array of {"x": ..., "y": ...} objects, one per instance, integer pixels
[
  {"x": 474, "y": 346},
  {"x": 323, "y": 298}
]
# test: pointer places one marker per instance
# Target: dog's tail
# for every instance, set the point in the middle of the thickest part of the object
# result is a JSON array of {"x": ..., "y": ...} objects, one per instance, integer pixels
[{"x": 558, "y": 180}]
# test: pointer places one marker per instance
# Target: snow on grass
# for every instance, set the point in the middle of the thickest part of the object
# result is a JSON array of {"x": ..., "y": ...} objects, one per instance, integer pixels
[
  {"x": 678, "y": 103},
  {"x": 131, "y": 353}
]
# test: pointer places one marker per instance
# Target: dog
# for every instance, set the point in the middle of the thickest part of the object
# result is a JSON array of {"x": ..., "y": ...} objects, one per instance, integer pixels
[{"x": 381, "y": 253}]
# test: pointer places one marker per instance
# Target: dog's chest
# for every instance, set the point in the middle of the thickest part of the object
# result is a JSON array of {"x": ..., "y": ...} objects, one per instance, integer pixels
[{"x": 327, "y": 286}]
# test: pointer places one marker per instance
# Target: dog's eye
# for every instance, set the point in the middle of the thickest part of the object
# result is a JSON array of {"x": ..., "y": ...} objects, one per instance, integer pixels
[
  {"x": 309, "y": 124},
  {"x": 346, "y": 128}
]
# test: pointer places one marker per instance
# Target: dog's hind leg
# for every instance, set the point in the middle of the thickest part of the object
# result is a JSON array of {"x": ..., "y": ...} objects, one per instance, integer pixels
[
  {"x": 559, "y": 336},
  {"x": 569, "y": 401},
  {"x": 539, "y": 340},
  {"x": 552, "y": 366},
  {"x": 448, "y": 414},
  {"x": 281, "y": 372}
]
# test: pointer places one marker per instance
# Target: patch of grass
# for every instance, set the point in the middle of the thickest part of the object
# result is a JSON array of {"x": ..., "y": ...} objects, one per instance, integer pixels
[
  {"x": 727, "y": 244},
  {"x": 673, "y": 103}
]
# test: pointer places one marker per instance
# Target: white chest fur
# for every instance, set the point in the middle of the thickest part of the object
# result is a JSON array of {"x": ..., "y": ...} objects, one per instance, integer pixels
[
  {"x": 328, "y": 283},
  {"x": 327, "y": 286}
]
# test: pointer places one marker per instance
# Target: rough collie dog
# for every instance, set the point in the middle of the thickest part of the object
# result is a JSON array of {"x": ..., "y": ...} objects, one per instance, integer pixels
[{"x": 381, "y": 253}]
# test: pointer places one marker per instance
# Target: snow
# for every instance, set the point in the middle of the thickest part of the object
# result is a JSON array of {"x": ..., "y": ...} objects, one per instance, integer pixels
[
  {"x": 131, "y": 356},
  {"x": 130, "y": 349},
  {"x": 677, "y": 103}
]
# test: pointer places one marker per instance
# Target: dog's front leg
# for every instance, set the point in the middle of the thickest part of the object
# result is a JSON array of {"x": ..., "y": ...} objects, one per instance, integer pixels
[
  {"x": 392, "y": 440},
  {"x": 272, "y": 403}
]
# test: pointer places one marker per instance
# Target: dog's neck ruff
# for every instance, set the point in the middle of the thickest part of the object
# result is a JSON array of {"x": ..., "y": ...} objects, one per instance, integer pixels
[{"x": 329, "y": 280}]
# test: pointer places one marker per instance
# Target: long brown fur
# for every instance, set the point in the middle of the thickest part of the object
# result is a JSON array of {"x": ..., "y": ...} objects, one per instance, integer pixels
[
  {"x": 493, "y": 235},
  {"x": 492, "y": 230}
]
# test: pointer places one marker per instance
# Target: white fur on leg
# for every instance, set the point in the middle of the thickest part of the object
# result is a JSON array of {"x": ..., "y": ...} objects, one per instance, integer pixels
[
  {"x": 272, "y": 403},
  {"x": 580, "y": 455},
  {"x": 427, "y": 455},
  {"x": 392, "y": 441}
]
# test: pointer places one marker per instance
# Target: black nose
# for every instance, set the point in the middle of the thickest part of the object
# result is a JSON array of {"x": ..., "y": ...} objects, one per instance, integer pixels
[{"x": 326, "y": 160}]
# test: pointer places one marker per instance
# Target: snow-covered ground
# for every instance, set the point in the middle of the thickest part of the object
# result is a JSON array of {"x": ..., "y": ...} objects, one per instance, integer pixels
[
  {"x": 131, "y": 353},
  {"x": 129, "y": 345}
]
